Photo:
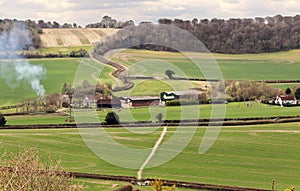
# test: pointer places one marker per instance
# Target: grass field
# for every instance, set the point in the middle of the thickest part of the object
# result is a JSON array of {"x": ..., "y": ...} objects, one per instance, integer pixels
[
  {"x": 239, "y": 67},
  {"x": 233, "y": 110},
  {"x": 155, "y": 87},
  {"x": 285, "y": 85},
  {"x": 250, "y": 156},
  {"x": 59, "y": 71}
]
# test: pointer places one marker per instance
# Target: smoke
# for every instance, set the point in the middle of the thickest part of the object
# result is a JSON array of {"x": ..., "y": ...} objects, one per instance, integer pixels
[{"x": 14, "y": 69}]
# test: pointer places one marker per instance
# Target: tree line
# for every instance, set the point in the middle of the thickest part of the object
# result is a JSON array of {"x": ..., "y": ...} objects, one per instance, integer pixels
[
  {"x": 34, "y": 41},
  {"x": 109, "y": 22},
  {"x": 152, "y": 37},
  {"x": 35, "y": 28},
  {"x": 232, "y": 36},
  {"x": 235, "y": 36}
]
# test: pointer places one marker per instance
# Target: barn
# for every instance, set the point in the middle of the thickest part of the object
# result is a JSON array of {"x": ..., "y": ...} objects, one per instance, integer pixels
[
  {"x": 108, "y": 103},
  {"x": 139, "y": 101}
]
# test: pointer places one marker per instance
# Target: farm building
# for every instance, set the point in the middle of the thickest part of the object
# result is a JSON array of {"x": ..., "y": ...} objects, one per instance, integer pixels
[
  {"x": 139, "y": 101},
  {"x": 176, "y": 95},
  {"x": 108, "y": 103},
  {"x": 286, "y": 100},
  {"x": 90, "y": 100}
]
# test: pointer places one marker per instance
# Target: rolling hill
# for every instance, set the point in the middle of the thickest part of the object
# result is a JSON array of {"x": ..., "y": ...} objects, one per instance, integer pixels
[{"x": 73, "y": 36}]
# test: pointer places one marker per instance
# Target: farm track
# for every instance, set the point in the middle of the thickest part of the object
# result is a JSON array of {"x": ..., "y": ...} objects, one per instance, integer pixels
[
  {"x": 132, "y": 179},
  {"x": 117, "y": 73},
  {"x": 196, "y": 122}
]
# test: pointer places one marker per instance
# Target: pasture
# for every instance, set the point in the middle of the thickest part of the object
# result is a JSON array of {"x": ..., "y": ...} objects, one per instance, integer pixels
[
  {"x": 273, "y": 66},
  {"x": 250, "y": 156},
  {"x": 242, "y": 67},
  {"x": 233, "y": 110},
  {"x": 59, "y": 71}
]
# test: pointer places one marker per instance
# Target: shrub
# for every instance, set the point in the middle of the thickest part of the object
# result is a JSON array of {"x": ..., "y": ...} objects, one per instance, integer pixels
[
  {"x": 181, "y": 102},
  {"x": 157, "y": 185},
  {"x": 24, "y": 171},
  {"x": 112, "y": 118},
  {"x": 2, "y": 120},
  {"x": 290, "y": 189}
]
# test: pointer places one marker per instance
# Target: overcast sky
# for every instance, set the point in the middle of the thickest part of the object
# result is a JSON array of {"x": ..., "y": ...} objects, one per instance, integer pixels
[{"x": 83, "y": 12}]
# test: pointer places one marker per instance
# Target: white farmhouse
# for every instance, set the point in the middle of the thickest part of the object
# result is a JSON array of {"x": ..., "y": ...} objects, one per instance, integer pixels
[{"x": 285, "y": 100}]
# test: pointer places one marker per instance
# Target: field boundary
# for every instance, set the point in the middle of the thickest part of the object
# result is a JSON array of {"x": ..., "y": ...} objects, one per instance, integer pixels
[
  {"x": 192, "y": 122},
  {"x": 146, "y": 181}
]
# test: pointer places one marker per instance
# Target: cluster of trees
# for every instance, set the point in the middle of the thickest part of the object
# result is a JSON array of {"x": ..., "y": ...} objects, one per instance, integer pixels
[
  {"x": 34, "y": 41},
  {"x": 49, "y": 103},
  {"x": 295, "y": 91},
  {"x": 108, "y": 22},
  {"x": 80, "y": 91},
  {"x": 72, "y": 54},
  {"x": 246, "y": 35},
  {"x": 99, "y": 90},
  {"x": 150, "y": 36},
  {"x": 55, "y": 25},
  {"x": 249, "y": 91},
  {"x": 46, "y": 104}
]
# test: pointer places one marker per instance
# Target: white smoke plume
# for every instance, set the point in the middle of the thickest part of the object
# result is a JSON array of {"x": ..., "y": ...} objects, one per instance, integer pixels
[{"x": 15, "y": 69}]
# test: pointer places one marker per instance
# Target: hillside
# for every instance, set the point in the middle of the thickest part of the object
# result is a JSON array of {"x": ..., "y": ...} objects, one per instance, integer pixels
[{"x": 73, "y": 36}]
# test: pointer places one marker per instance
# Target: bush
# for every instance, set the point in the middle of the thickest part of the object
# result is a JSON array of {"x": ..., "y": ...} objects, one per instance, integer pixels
[
  {"x": 112, "y": 118},
  {"x": 2, "y": 120},
  {"x": 65, "y": 105},
  {"x": 157, "y": 185},
  {"x": 24, "y": 171},
  {"x": 182, "y": 102}
]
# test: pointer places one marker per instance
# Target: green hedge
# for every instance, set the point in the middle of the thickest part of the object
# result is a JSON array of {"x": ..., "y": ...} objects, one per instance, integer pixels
[{"x": 182, "y": 102}]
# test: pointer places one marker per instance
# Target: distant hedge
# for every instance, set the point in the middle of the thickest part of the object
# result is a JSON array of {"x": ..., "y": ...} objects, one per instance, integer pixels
[{"x": 182, "y": 102}]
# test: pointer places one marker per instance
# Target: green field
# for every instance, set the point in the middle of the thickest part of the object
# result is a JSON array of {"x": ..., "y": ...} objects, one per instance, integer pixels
[
  {"x": 238, "y": 67},
  {"x": 283, "y": 86},
  {"x": 59, "y": 71},
  {"x": 233, "y": 110},
  {"x": 250, "y": 156}
]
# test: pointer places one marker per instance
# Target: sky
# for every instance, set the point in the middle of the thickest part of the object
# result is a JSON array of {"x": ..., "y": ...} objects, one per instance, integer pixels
[{"x": 84, "y": 12}]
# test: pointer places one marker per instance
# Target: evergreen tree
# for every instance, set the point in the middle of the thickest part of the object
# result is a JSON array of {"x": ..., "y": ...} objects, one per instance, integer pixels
[
  {"x": 288, "y": 91},
  {"x": 2, "y": 120}
]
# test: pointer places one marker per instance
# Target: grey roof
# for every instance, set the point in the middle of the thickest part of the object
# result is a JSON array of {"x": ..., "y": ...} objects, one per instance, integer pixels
[
  {"x": 187, "y": 92},
  {"x": 134, "y": 98}
]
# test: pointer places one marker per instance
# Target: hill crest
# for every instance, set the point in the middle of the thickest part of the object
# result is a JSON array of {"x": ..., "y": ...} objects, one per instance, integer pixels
[{"x": 74, "y": 36}]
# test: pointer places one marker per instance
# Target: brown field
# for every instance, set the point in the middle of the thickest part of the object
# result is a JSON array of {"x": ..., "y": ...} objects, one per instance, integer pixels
[{"x": 73, "y": 37}]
